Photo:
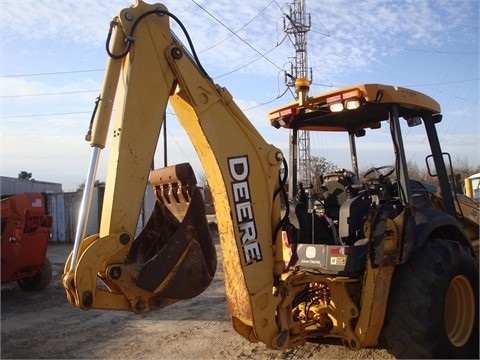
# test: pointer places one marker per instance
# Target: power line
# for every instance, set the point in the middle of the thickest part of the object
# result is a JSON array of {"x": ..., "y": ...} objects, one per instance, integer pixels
[
  {"x": 236, "y": 35},
  {"x": 241, "y": 28},
  {"x": 49, "y": 94},
  {"x": 52, "y": 73},
  {"x": 247, "y": 64},
  {"x": 446, "y": 83},
  {"x": 266, "y": 102},
  {"x": 39, "y": 115},
  {"x": 89, "y": 112},
  {"x": 313, "y": 83}
]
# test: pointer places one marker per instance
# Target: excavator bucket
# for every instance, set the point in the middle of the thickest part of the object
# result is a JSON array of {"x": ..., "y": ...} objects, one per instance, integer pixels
[{"x": 175, "y": 246}]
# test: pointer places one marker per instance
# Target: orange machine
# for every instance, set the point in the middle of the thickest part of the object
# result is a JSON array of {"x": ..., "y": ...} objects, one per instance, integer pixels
[{"x": 25, "y": 234}]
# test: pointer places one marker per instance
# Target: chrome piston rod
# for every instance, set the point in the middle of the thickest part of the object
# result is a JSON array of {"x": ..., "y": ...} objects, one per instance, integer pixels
[{"x": 85, "y": 205}]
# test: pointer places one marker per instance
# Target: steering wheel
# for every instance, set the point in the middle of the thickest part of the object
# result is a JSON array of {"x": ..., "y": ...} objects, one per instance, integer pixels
[{"x": 381, "y": 172}]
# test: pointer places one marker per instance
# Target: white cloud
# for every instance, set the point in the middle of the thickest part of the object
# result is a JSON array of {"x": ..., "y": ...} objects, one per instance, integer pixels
[
  {"x": 83, "y": 22},
  {"x": 362, "y": 41},
  {"x": 351, "y": 31}
]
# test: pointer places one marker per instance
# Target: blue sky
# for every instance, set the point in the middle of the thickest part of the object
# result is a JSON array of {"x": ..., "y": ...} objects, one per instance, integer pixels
[{"x": 53, "y": 56}]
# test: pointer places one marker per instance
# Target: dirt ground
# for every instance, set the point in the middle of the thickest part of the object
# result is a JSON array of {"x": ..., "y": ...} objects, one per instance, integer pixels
[{"x": 43, "y": 325}]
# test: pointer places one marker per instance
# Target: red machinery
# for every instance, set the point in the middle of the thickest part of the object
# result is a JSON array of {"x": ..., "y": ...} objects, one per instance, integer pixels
[{"x": 25, "y": 234}]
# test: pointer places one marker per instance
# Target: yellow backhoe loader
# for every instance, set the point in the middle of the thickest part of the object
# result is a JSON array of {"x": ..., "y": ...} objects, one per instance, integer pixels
[{"x": 397, "y": 269}]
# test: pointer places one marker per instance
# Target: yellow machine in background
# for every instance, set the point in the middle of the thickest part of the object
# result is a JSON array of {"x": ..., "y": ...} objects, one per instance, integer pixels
[
  {"x": 472, "y": 187},
  {"x": 468, "y": 209},
  {"x": 394, "y": 261}
]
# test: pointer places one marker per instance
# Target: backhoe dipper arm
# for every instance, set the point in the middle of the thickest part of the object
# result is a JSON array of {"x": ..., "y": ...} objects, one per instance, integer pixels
[{"x": 151, "y": 69}]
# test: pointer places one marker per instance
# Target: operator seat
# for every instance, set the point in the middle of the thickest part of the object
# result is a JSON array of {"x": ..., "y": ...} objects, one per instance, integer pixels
[
  {"x": 335, "y": 190},
  {"x": 301, "y": 212},
  {"x": 313, "y": 229}
]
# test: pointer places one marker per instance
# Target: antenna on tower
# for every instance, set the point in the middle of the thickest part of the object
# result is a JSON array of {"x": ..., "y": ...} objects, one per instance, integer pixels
[{"x": 297, "y": 25}]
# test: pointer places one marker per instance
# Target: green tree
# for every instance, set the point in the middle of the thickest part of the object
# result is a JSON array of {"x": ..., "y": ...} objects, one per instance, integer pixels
[
  {"x": 97, "y": 183},
  {"x": 461, "y": 166},
  {"x": 319, "y": 166},
  {"x": 25, "y": 175}
]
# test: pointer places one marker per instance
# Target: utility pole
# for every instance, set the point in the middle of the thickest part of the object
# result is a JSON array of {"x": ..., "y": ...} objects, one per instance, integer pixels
[{"x": 296, "y": 25}]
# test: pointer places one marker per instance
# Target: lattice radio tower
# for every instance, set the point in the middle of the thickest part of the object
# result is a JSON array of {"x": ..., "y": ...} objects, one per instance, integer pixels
[{"x": 296, "y": 25}]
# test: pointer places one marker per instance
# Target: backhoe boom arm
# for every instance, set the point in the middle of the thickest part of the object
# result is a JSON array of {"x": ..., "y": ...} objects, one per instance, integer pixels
[{"x": 147, "y": 69}]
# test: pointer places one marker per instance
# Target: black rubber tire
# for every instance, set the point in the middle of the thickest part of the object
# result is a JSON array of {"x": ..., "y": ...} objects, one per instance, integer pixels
[
  {"x": 415, "y": 325},
  {"x": 40, "y": 281}
]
